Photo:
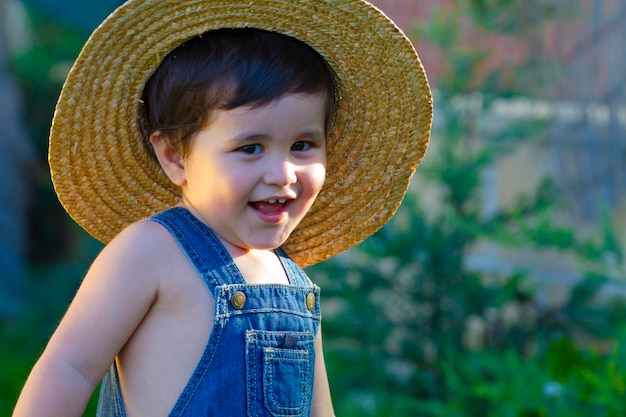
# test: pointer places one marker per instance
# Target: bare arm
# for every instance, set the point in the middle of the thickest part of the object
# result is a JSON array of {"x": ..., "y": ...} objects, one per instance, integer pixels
[
  {"x": 115, "y": 295},
  {"x": 322, "y": 403}
]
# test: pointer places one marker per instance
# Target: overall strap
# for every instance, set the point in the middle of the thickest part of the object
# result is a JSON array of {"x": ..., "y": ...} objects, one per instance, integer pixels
[
  {"x": 203, "y": 249},
  {"x": 296, "y": 275}
]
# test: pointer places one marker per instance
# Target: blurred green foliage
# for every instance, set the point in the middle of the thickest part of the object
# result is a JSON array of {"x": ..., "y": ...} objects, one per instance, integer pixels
[
  {"x": 59, "y": 251},
  {"x": 50, "y": 290},
  {"x": 40, "y": 71},
  {"x": 408, "y": 330}
]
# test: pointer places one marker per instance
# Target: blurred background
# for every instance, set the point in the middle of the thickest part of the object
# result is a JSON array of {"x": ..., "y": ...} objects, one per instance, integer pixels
[{"x": 497, "y": 289}]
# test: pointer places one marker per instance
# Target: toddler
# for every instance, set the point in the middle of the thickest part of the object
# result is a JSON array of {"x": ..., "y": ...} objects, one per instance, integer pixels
[{"x": 218, "y": 147}]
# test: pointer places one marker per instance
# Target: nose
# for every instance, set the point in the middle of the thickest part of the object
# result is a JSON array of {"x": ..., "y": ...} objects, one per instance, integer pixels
[{"x": 281, "y": 173}]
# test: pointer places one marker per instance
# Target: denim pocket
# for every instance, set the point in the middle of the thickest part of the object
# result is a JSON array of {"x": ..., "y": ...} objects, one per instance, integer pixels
[{"x": 279, "y": 377}]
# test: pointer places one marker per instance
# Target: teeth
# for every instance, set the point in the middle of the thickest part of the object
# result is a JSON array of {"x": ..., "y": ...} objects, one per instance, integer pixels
[{"x": 280, "y": 200}]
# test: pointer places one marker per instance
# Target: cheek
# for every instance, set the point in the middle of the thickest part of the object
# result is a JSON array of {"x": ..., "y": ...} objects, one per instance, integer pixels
[{"x": 317, "y": 177}]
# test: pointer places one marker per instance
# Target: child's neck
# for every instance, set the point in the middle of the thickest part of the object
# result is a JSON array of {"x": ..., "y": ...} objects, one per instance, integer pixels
[{"x": 259, "y": 266}]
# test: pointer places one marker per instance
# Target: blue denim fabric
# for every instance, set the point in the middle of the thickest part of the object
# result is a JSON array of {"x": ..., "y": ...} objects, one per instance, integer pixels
[{"x": 260, "y": 359}]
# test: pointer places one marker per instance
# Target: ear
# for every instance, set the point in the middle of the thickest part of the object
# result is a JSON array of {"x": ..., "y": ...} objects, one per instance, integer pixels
[{"x": 169, "y": 158}]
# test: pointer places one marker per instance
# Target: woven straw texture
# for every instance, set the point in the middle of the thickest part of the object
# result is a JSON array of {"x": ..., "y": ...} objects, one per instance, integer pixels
[{"x": 106, "y": 181}]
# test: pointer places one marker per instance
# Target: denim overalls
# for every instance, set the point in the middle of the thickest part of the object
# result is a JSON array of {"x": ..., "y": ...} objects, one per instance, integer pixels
[{"x": 260, "y": 357}]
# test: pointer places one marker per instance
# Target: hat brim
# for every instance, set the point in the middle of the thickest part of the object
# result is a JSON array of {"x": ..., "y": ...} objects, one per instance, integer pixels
[{"x": 106, "y": 181}]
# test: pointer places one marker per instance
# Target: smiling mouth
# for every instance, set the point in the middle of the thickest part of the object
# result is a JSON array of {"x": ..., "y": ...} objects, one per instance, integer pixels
[{"x": 271, "y": 206}]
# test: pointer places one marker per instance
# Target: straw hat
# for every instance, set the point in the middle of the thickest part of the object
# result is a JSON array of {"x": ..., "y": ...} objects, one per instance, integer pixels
[{"x": 106, "y": 180}]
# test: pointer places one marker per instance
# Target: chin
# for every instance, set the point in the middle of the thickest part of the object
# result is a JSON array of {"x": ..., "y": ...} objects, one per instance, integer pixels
[{"x": 269, "y": 244}]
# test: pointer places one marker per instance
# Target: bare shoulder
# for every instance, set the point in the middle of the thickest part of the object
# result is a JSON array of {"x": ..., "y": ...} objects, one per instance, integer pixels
[
  {"x": 142, "y": 239},
  {"x": 117, "y": 293},
  {"x": 139, "y": 250},
  {"x": 130, "y": 269}
]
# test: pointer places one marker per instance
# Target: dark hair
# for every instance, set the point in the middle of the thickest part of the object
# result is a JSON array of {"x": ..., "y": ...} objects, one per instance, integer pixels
[{"x": 225, "y": 69}]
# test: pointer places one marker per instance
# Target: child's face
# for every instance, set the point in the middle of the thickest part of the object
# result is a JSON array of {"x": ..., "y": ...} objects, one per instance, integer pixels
[{"x": 253, "y": 173}]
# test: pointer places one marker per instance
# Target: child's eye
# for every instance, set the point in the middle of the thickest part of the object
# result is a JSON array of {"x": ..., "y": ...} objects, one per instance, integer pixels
[
  {"x": 301, "y": 146},
  {"x": 251, "y": 149}
]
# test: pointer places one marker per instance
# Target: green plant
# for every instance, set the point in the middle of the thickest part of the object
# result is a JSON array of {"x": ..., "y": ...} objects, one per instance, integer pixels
[
  {"x": 50, "y": 290},
  {"x": 409, "y": 330}
]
